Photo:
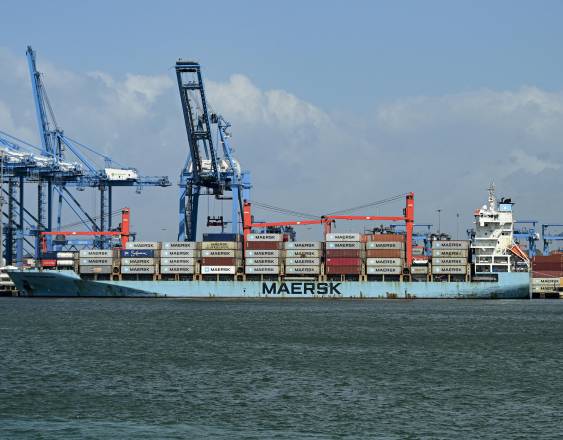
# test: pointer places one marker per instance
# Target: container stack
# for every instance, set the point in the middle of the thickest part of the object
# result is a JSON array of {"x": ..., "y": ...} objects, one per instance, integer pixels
[
  {"x": 140, "y": 258},
  {"x": 178, "y": 258},
  {"x": 65, "y": 260},
  {"x": 262, "y": 254},
  {"x": 450, "y": 257},
  {"x": 95, "y": 261},
  {"x": 547, "y": 274},
  {"x": 385, "y": 254},
  {"x": 343, "y": 254},
  {"x": 220, "y": 254},
  {"x": 48, "y": 260},
  {"x": 302, "y": 258}
]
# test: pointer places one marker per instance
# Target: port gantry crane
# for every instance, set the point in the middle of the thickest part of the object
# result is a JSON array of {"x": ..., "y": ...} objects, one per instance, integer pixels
[
  {"x": 204, "y": 166},
  {"x": 53, "y": 173},
  {"x": 548, "y": 237}
]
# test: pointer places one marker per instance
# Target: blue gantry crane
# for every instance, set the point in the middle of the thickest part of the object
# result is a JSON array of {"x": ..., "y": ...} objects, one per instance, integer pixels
[
  {"x": 206, "y": 168},
  {"x": 525, "y": 231},
  {"x": 549, "y": 237}
]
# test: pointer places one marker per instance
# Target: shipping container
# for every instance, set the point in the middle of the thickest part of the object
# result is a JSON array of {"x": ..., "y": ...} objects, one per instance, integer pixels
[
  {"x": 256, "y": 254},
  {"x": 223, "y": 245},
  {"x": 138, "y": 261},
  {"x": 262, "y": 269},
  {"x": 450, "y": 244},
  {"x": 384, "y": 270},
  {"x": 385, "y": 253},
  {"x": 218, "y": 261},
  {"x": 449, "y": 261},
  {"x": 344, "y": 245},
  {"x": 221, "y": 236},
  {"x": 263, "y": 245},
  {"x": 384, "y": 262},
  {"x": 177, "y": 261},
  {"x": 187, "y": 269},
  {"x": 547, "y": 274},
  {"x": 343, "y": 261},
  {"x": 88, "y": 253},
  {"x": 65, "y": 263},
  {"x": 303, "y": 253},
  {"x": 138, "y": 253},
  {"x": 176, "y": 253},
  {"x": 65, "y": 255},
  {"x": 343, "y": 236},
  {"x": 544, "y": 288},
  {"x": 154, "y": 245},
  {"x": 220, "y": 270},
  {"x": 138, "y": 269},
  {"x": 264, "y": 237},
  {"x": 95, "y": 269},
  {"x": 191, "y": 245},
  {"x": 545, "y": 281},
  {"x": 302, "y": 261},
  {"x": 303, "y": 245},
  {"x": 417, "y": 251},
  {"x": 48, "y": 263},
  {"x": 262, "y": 262},
  {"x": 455, "y": 253},
  {"x": 419, "y": 270},
  {"x": 104, "y": 261},
  {"x": 451, "y": 270},
  {"x": 218, "y": 253},
  {"x": 385, "y": 245},
  {"x": 302, "y": 270},
  {"x": 343, "y": 270},
  {"x": 342, "y": 253},
  {"x": 385, "y": 237}
]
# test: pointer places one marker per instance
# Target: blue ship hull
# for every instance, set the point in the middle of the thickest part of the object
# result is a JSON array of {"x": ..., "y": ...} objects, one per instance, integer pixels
[{"x": 513, "y": 285}]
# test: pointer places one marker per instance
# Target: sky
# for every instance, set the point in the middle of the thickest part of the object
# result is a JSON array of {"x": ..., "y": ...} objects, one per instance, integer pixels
[{"x": 332, "y": 104}]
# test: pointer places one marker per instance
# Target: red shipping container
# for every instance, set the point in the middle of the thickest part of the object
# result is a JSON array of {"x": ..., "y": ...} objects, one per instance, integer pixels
[
  {"x": 386, "y": 237},
  {"x": 547, "y": 266},
  {"x": 263, "y": 245},
  {"x": 48, "y": 263},
  {"x": 343, "y": 253},
  {"x": 343, "y": 261},
  {"x": 343, "y": 270},
  {"x": 548, "y": 258},
  {"x": 384, "y": 253},
  {"x": 218, "y": 261},
  {"x": 547, "y": 274}
]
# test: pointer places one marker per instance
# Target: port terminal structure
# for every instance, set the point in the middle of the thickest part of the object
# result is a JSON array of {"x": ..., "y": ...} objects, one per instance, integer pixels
[{"x": 61, "y": 164}]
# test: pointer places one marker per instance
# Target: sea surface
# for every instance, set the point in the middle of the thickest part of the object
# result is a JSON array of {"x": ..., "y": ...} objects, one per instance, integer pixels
[{"x": 280, "y": 369}]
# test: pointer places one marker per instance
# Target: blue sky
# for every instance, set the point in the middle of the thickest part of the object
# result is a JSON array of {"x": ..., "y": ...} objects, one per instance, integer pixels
[{"x": 352, "y": 101}]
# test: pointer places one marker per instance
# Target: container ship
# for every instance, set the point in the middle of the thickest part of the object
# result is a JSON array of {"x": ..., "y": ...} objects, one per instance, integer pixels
[{"x": 257, "y": 265}]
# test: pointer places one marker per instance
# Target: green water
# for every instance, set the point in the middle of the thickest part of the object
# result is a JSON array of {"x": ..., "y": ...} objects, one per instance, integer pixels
[{"x": 154, "y": 368}]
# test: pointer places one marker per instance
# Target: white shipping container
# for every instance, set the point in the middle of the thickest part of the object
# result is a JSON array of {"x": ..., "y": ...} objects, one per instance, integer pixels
[
  {"x": 104, "y": 261},
  {"x": 262, "y": 269},
  {"x": 142, "y": 245},
  {"x": 302, "y": 270},
  {"x": 384, "y": 270},
  {"x": 95, "y": 269},
  {"x": 449, "y": 253},
  {"x": 302, "y": 245},
  {"x": 177, "y": 269},
  {"x": 384, "y": 262},
  {"x": 183, "y": 253},
  {"x": 177, "y": 261},
  {"x": 344, "y": 245},
  {"x": 262, "y": 261},
  {"x": 87, "y": 253},
  {"x": 264, "y": 237},
  {"x": 138, "y": 269},
  {"x": 385, "y": 245},
  {"x": 302, "y": 261},
  {"x": 343, "y": 236},
  {"x": 451, "y": 270},
  {"x": 65, "y": 263},
  {"x": 449, "y": 261},
  {"x": 223, "y": 245},
  {"x": 544, "y": 288},
  {"x": 179, "y": 245},
  {"x": 450, "y": 244},
  {"x": 262, "y": 253},
  {"x": 545, "y": 281},
  {"x": 222, "y": 270},
  {"x": 218, "y": 253},
  {"x": 417, "y": 251},
  {"x": 419, "y": 270},
  {"x": 137, "y": 261},
  {"x": 302, "y": 253},
  {"x": 65, "y": 255}
]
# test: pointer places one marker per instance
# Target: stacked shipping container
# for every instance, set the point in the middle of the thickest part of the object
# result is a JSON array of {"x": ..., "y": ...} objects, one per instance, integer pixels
[
  {"x": 385, "y": 254},
  {"x": 178, "y": 257},
  {"x": 303, "y": 258},
  {"x": 140, "y": 257},
  {"x": 450, "y": 257},
  {"x": 262, "y": 254},
  {"x": 219, "y": 255},
  {"x": 343, "y": 254},
  {"x": 96, "y": 261}
]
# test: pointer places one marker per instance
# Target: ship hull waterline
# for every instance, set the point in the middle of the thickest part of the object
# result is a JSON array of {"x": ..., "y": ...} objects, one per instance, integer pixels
[{"x": 513, "y": 285}]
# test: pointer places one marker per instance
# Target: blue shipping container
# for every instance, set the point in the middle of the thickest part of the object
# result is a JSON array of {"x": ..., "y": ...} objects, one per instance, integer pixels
[
  {"x": 137, "y": 253},
  {"x": 220, "y": 237}
]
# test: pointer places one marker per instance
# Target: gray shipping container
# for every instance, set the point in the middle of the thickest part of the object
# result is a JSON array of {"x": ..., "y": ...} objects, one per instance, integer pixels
[
  {"x": 262, "y": 261},
  {"x": 262, "y": 269},
  {"x": 65, "y": 255},
  {"x": 450, "y": 244},
  {"x": 302, "y": 270},
  {"x": 302, "y": 253},
  {"x": 142, "y": 245},
  {"x": 223, "y": 270},
  {"x": 419, "y": 270},
  {"x": 262, "y": 253},
  {"x": 451, "y": 270},
  {"x": 88, "y": 253},
  {"x": 185, "y": 253},
  {"x": 343, "y": 236},
  {"x": 449, "y": 261},
  {"x": 105, "y": 261},
  {"x": 179, "y": 245},
  {"x": 95, "y": 269},
  {"x": 177, "y": 269},
  {"x": 545, "y": 281},
  {"x": 302, "y": 261},
  {"x": 384, "y": 270},
  {"x": 177, "y": 261},
  {"x": 138, "y": 269},
  {"x": 218, "y": 253},
  {"x": 65, "y": 263},
  {"x": 449, "y": 253},
  {"x": 264, "y": 237},
  {"x": 384, "y": 262},
  {"x": 138, "y": 261},
  {"x": 302, "y": 245},
  {"x": 344, "y": 245},
  {"x": 385, "y": 245}
]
